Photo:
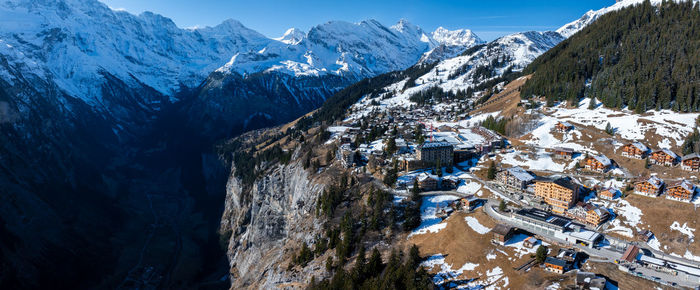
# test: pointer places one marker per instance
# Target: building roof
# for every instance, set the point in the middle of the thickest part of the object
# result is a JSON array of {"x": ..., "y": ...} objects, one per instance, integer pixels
[
  {"x": 687, "y": 185},
  {"x": 562, "y": 149},
  {"x": 613, "y": 191},
  {"x": 653, "y": 180},
  {"x": 691, "y": 156},
  {"x": 555, "y": 261},
  {"x": 669, "y": 152},
  {"x": 600, "y": 211},
  {"x": 603, "y": 160},
  {"x": 585, "y": 235},
  {"x": 567, "y": 124},
  {"x": 630, "y": 255},
  {"x": 531, "y": 240},
  {"x": 520, "y": 174},
  {"x": 435, "y": 145},
  {"x": 561, "y": 181},
  {"x": 425, "y": 176},
  {"x": 639, "y": 146},
  {"x": 502, "y": 229}
]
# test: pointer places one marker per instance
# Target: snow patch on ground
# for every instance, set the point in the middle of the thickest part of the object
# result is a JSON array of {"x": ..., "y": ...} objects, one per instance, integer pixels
[
  {"x": 654, "y": 244},
  {"x": 684, "y": 229},
  {"x": 430, "y": 223},
  {"x": 446, "y": 272},
  {"x": 632, "y": 217},
  {"x": 476, "y": 226},
  {"x": 469, "y": 187}
]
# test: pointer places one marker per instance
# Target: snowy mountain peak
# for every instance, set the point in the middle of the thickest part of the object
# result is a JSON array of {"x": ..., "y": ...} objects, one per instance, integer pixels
[
  {"x": 356, "y": 50},
  {"x": 463, "y": 37},
  {"x": 292, "y": 36}
]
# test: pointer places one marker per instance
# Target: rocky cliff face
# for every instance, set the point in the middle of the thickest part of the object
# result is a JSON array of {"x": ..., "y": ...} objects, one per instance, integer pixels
[{"x": 278, "y": 210}]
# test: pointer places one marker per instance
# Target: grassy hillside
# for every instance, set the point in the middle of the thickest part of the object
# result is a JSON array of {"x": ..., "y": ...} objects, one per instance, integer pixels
[{"x": 645, "y": 57}]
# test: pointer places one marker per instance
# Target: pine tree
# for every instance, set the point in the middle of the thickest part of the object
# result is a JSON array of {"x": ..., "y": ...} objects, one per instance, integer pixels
[
  {"x": 609, "y": 129},
  {"x": 390, "y": 148},
  {"x": 502, "y": 206},
  {"x": 491, "y": 174},
  {"x": 541, "y": 254},
  {"x": 415, "y": 191}
]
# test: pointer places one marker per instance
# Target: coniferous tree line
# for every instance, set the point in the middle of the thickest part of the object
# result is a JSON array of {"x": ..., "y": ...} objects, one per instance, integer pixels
[
  {"x": 495, "y": 124},
  {"x": 644, "y": 57},
  {"x": 692, "y": 143}
]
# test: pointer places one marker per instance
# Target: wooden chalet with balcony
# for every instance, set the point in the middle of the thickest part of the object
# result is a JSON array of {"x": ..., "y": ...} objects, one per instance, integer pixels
[
  {"x": 682, "y": 190},
  {"x": 691, "y": 162},
  {"x": 663, "y": 157},
  {"x": 563, "y": 127},
  {"x": 651, "y": 186},
  {"x": 563, "y": 153},
  {"x": 598, "y": 163},
  {"x": 635, "y": 150},
  {"x": 609, "y": 193}
]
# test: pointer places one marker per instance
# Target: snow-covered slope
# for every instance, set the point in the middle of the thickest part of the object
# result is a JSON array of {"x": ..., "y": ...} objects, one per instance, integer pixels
[
  {"x": 354, "y": 50},
  {"x": 477, "y": 65},
  {"x": 463, "y": 37},
  {"x": 74, "y": 42}
]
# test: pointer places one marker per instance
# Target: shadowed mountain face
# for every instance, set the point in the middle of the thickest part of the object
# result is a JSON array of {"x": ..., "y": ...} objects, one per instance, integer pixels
[{"x": 109, "y": 120}]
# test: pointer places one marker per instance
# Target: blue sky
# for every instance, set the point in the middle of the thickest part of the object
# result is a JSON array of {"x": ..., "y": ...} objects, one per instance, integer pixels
[{"x": 488, "y": 19}]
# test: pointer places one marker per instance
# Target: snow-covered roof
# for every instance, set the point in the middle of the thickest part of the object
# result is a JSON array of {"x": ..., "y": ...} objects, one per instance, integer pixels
[
  {"x": 640, "y": 146},
  {"x": 654, "y": 181},
  {"x": 435, "y": 145},
  {"x": 691, "y": 156},
  {"x": 520, "y": 174},
  {"x": 603, "y": 160},
  {"x": 567, "y": 124},
  {"x": 669, "y": 152},
  {"x": 424, "y": 176},
  {"x": 687, "y": 185},
  {"x": 562, "y": 149}
]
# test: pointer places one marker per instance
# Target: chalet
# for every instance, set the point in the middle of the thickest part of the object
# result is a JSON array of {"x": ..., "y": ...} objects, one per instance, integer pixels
[
  {"x": 588, "y": 213},
  {"x": 560, "y": 193},
  {"x": 427, "y": 182},
  {"x": 597, "y": 163},
  {"x": 570, "y": 256},
  {"x": 609, "y": 193},
  {"x": 563, "y": 153},
  {"x": 635, "y": 150},
  {"x": 683, "y": 190},
  {"x": 651, "y": 186},
  {"x": 449, "y": 182},
  {"x": 596, "y": 216},
  {"x": 555, "y": 265},
  {"x": 530, "y": 242},
  {"x": 663, "y": 157},
  {"x": 515, "y": 178},
  {"x": 502, "y": 233},
  {"x": 563, "y": 127},
  {"x": 578, "y": 212},
  {"x": 691, "y": 162},
  {"x": 470, "y": 202}
]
